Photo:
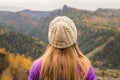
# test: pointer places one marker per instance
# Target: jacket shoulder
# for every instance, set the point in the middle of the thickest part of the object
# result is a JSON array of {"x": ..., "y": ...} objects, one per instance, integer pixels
[{"x": 35, "y": 69}]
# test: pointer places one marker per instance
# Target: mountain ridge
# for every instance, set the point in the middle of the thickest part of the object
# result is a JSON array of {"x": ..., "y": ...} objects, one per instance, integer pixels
[{"x": 94, "y": 28}]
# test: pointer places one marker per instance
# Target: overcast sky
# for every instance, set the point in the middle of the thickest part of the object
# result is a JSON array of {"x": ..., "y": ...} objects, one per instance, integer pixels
[{"x": 46, "y": 5}]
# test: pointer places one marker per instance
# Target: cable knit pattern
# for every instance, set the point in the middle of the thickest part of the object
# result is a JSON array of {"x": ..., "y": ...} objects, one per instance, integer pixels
[{"x": 62, "y": 32}]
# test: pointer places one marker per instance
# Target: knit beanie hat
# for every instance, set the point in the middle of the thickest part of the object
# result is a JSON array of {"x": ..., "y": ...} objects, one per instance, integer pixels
[{"x": 62, "y": 32}]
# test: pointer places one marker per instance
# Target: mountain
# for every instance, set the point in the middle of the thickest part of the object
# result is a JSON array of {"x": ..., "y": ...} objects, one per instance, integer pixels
[
  {"x": 35, "y": 14},
  {"x": 27, "y": 22},
  {"x": 22, "y": 44},
  {"x": 98, "y": 31},
  {"x": 36, "y": 23}
]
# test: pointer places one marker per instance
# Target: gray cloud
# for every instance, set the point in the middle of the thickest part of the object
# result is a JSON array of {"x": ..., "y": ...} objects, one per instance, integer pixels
[{"x": 15, "y": 5}]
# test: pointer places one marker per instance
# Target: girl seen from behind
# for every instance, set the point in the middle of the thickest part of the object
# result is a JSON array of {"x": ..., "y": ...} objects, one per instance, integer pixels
[{"x": 62, "y": 59}]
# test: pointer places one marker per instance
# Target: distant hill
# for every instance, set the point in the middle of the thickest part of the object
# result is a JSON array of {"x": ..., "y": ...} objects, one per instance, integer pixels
[
  {"x": 36, "y": 22},
  {"x": 35, "y": 14},
  {"x": 22, "y": 44},
  {"x": 98, "y": 30}
]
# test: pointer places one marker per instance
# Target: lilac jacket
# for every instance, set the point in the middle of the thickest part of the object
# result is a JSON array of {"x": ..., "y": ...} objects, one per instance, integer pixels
[{"x": 36, "y": 69}]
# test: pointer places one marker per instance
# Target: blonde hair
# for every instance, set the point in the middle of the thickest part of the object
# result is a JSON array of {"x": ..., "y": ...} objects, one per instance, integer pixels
[{"x": 63, "y": 64}]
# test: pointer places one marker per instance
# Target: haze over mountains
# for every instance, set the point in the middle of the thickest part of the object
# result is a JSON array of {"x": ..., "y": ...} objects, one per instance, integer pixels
[
  {"x": 36, "y": 22},
  {"x": 98, "y": 31}
]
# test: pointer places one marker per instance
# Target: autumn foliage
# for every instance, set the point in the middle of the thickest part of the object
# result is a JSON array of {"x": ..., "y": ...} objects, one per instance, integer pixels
[{"x": 18, "y": 66}]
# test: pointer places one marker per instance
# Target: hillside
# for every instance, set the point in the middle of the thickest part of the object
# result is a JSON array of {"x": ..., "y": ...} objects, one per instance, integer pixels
[
  {"x": 102, "y": 47},
  {"x": 109, "y": 56},
  {"x": 19, "y": 43},
  {"x": 95, "y": 28}
]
